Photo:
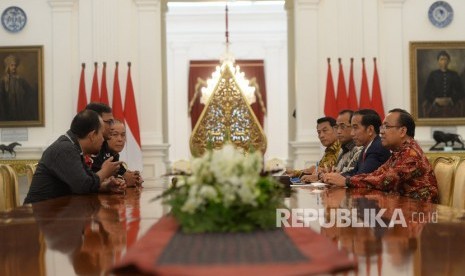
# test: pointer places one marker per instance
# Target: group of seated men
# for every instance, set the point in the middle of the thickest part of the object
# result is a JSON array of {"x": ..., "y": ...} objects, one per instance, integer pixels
[
  {"x": 85, "y": 159},
  {"x": 361, "y": 151}
]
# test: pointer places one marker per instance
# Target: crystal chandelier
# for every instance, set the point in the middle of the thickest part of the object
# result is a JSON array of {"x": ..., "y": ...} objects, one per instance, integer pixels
[{"x": 228, "y": 61}]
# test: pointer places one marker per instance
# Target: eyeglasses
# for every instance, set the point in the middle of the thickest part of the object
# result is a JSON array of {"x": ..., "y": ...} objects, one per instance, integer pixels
[
  {"x": 110, "y": 122},
  {"x": 341, "y": 126},
  {"x": 384, "y": 127}
]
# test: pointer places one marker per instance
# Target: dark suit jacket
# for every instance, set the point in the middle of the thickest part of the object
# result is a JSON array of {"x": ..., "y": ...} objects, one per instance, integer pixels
[{"x": 375, "y": 156}]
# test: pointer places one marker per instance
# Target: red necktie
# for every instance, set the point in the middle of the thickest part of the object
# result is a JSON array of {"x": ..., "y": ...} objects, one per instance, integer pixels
[{"x": 364, "y": 155}]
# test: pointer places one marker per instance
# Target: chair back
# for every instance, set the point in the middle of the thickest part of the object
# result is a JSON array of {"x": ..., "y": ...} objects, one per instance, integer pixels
[
  {"x": 30, "y": 170},
  {"x": 3, "y": 189},
  {"x": 9, "y": 188},
  {"x": 458, "y": 199},
  {"x": 444, "y": 169}
]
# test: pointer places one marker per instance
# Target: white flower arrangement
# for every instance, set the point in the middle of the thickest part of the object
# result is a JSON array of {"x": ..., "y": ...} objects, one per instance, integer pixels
[{"x": 225, "y": 193}]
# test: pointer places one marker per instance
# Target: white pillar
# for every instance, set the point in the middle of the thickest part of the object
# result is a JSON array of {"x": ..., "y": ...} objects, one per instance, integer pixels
[
  {"x": 150, "y": 99},
  {"x": 306, "y": 67},
  {"x": 306, "y": 80},
  {"x": 391, "y": 55},
  {"x": 64, "y": 92},
  {"x": 178, "y": 102},
  {"x": 150, "y": 69},
  {"x": 276, "y": 122}
]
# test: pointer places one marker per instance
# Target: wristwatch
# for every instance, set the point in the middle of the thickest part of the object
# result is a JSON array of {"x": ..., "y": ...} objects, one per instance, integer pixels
[{"x": 347, "y": 181}]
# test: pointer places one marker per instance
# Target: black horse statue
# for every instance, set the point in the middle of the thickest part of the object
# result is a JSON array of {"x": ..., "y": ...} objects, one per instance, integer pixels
[{"x": 10, "y": 148}]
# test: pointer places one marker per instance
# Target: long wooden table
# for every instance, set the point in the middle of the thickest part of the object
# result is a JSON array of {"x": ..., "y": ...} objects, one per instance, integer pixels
[{"x": 87, "y": 234}]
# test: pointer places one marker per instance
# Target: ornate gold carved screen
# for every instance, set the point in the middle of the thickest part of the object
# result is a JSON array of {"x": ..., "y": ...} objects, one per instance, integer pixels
[{"x": 227, "y": 113}]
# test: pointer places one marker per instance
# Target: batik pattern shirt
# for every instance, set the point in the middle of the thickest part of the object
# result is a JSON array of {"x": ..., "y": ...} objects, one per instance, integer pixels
[
  {"x": 406, "y": 172},
  {"x": 348, "y": 157},
  {"x": 327, "y": 161},
  {"x": 330, "y": 157}
]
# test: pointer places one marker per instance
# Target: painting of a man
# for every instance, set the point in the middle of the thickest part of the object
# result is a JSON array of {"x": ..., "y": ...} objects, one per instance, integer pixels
[
  {"x": 437, "y": 82},
  {"x": 444, "y": 93},
  {"x": 18, "y": 99}
]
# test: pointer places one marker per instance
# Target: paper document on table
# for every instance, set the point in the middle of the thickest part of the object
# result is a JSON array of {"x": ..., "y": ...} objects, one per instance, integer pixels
[
  {"x": 300, "y": 184},
  {"x": 319, "y": 184},
  {"x": 314, "y": 184}
]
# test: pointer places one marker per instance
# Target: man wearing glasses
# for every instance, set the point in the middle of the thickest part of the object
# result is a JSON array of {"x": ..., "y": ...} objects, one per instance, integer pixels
[
  {"x": 407, "y": 171},
  {"x": 104, "y": 157}
]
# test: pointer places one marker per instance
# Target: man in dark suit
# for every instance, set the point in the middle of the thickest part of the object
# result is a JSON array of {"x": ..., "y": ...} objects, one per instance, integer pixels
[
  {"x": 443, "y": 91},
  {"x": 365, "y": 132}
]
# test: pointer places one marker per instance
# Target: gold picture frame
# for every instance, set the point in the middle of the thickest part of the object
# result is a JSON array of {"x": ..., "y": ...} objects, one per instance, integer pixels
[
  {"x": 21, "y": 86},
  {"x": 437, "y": 96}
]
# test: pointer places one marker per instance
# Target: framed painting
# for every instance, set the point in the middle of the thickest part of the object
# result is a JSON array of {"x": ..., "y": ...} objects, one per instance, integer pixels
[
  {"x": 437, "y": 79},
  {"x": 21, "y": 86}
]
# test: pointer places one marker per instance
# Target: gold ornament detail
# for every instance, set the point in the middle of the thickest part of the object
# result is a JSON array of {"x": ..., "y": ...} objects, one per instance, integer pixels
[{"x": 227, "y": 117}]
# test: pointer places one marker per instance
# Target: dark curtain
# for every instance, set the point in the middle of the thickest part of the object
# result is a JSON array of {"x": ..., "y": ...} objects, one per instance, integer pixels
[{"x": 202, "y": 69}]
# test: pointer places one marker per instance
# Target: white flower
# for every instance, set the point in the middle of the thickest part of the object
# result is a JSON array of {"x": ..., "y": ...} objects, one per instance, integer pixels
[
  {"x": 253, "y": 163},
  {"x": 246, "y": 195},
  {"x": 225, "y": 181},
  {"x": 225, "y": 175},
  {"x": 193, "y": 201},
  {"x": 208, "y": 192}
]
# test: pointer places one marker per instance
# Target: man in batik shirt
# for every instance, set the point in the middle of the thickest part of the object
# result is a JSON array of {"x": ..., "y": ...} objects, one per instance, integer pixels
[
  {"x": 328, "y": 138},
  {"x": 407, "y": 171}
]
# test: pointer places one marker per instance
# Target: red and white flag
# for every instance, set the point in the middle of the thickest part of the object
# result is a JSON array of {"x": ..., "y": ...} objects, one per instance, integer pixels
[
  {"x": 353, "y": 102},
  {"x": 365, "y": 101},
  {"x": 133, "y": 144},
  {"x": 82, "y": 96},
  {"x": 330, "y": 99},
  {"x": 95, "y": 95},
  {"x": 341, "y": 97},
  {"x": 104, "y": 91},
  {"x": 376, "y": 97},
  {"x": 117, "y": 108},
  {"x": 117, "y": 105}
]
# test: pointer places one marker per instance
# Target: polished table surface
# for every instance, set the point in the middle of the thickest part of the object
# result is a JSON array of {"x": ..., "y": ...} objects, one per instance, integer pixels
[{"x": 87, "y": 234}]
